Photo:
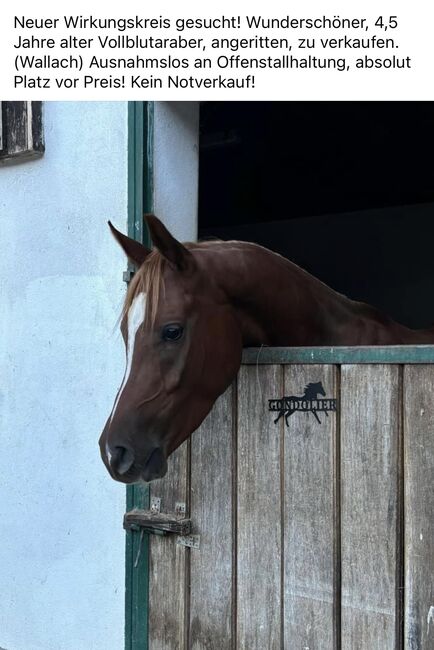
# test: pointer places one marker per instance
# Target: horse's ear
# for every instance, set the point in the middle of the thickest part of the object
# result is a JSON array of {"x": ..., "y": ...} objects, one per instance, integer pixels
[
  {"x": 134, "y": 250},
  {"x": 176, "y": 254}
]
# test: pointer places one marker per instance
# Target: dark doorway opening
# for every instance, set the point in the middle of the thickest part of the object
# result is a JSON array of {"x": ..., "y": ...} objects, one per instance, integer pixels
[{"x": 344, "y": 189}]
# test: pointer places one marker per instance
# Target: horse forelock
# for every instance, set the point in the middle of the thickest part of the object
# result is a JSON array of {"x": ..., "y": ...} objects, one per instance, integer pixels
[{"x": 149, "y": 280}]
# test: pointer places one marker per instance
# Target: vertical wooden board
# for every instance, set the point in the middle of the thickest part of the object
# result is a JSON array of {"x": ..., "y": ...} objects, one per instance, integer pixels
[
  {"x": 137, "y": 545},
  {"x": 310, "y": 541},
  {"x": 370, "y": 431},
  {"x": 259, "y": 510},
  {"x": 17, "y": 135},
  {"x": 137, "y": 576},
  {"x": 37, "y": 128},
  {"x": 419, "y": 506},
  {"x": 211, "y": 513},
  {"x": 168, "y": 597}
]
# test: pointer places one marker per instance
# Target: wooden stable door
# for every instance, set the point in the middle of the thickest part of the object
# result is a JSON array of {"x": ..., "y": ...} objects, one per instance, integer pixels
[{"x": 314, "y": 532}]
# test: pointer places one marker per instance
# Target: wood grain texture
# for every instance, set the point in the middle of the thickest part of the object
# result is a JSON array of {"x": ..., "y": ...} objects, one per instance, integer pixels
[
  {"x": 419, "y": 507},
  {"x": 281, "y": 538},
  {"x": 17, "y": 119},
  {"x": 369, "y": 502},
  {"x": 259, "y": 511},
  {"x": 23, "y": 134},
  {"x": 168, "y": 563},
  {"x": 309, "y": 544},
  {"x": 211, "y": 512}
]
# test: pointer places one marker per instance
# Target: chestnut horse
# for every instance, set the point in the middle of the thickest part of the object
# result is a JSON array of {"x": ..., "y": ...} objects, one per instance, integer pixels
[{"x": 189, "y": 311}]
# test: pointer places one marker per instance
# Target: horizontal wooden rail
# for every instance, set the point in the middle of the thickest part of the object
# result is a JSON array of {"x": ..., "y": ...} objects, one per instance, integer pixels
[{"x": 408, "y": 354}]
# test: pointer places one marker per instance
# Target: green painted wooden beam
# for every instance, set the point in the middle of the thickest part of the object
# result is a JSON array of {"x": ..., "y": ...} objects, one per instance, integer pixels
[
  {"x": 140, "y": 200},
  {"x": 365, "y": 354}
]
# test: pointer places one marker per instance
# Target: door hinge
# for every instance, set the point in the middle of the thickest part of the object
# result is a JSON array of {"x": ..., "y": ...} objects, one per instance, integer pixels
[
  {"x": 128, "y": 275},
  {"x": 191, "y": 541}
]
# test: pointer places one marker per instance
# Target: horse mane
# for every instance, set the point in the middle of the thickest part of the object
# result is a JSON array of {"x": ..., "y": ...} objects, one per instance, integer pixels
[{"x": 148, "y": 279}]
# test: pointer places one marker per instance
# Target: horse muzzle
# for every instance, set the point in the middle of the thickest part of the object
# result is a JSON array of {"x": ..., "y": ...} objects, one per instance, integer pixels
[
  {"x": 155, "y": 466},
  {"x": 124, "y": 467}
]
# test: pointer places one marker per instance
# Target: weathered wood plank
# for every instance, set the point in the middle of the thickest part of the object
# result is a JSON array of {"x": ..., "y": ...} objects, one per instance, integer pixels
[
  {"x": 22, "y": 128},
  {"x": 17, "y": 119},
  {"x": 309, "y": 516},
  {"x": 37, "y": 129},
  {"x": 419, "y": 507},
  {"x": 369, "y": 507},
  {"x": 259, "y": 511},
  {"x": 211, "y": 513},
  {"x": 342, "y": 354},
  {"x": 168, "y": 563}
]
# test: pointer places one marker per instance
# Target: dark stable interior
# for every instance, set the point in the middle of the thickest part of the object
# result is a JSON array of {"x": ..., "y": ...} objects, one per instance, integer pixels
[{"x": 344, "y": 189}]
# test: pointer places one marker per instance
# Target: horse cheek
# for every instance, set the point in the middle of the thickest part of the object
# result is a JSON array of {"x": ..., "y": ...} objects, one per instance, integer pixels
[
  {"x": 172, "y": 376},
  {"x": 176, "y": 368}
]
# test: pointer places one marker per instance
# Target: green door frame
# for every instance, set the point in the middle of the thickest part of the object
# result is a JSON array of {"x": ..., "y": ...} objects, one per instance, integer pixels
[{"x": 140, "y": 200}]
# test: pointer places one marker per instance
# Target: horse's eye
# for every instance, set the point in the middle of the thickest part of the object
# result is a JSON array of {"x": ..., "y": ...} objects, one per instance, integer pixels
[{"x": 172, "y": 332}]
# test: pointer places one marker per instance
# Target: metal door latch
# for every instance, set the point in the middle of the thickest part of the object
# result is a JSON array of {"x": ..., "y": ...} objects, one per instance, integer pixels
[{"x": 157, "y": 523}]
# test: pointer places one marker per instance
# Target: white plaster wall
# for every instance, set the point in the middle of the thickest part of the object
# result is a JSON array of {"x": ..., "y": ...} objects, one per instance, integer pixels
[
  {"x": 61, "y": 360},
  {"x": 176, "y": 166}
]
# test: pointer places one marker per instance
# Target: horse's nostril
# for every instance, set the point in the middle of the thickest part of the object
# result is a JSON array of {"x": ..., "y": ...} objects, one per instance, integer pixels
[{"x": 120, "y": 459}]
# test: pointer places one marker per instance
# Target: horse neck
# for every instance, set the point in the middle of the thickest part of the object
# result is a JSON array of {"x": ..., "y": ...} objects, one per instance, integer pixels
[{"x": 276, "y": 302}]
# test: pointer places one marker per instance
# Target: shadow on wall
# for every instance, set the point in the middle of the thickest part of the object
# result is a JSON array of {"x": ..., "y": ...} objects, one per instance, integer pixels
[{"x": 384, "y": 257}]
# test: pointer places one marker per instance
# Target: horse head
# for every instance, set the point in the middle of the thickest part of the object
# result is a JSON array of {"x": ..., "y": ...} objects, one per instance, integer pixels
[{"x": 183, "y": 349}]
